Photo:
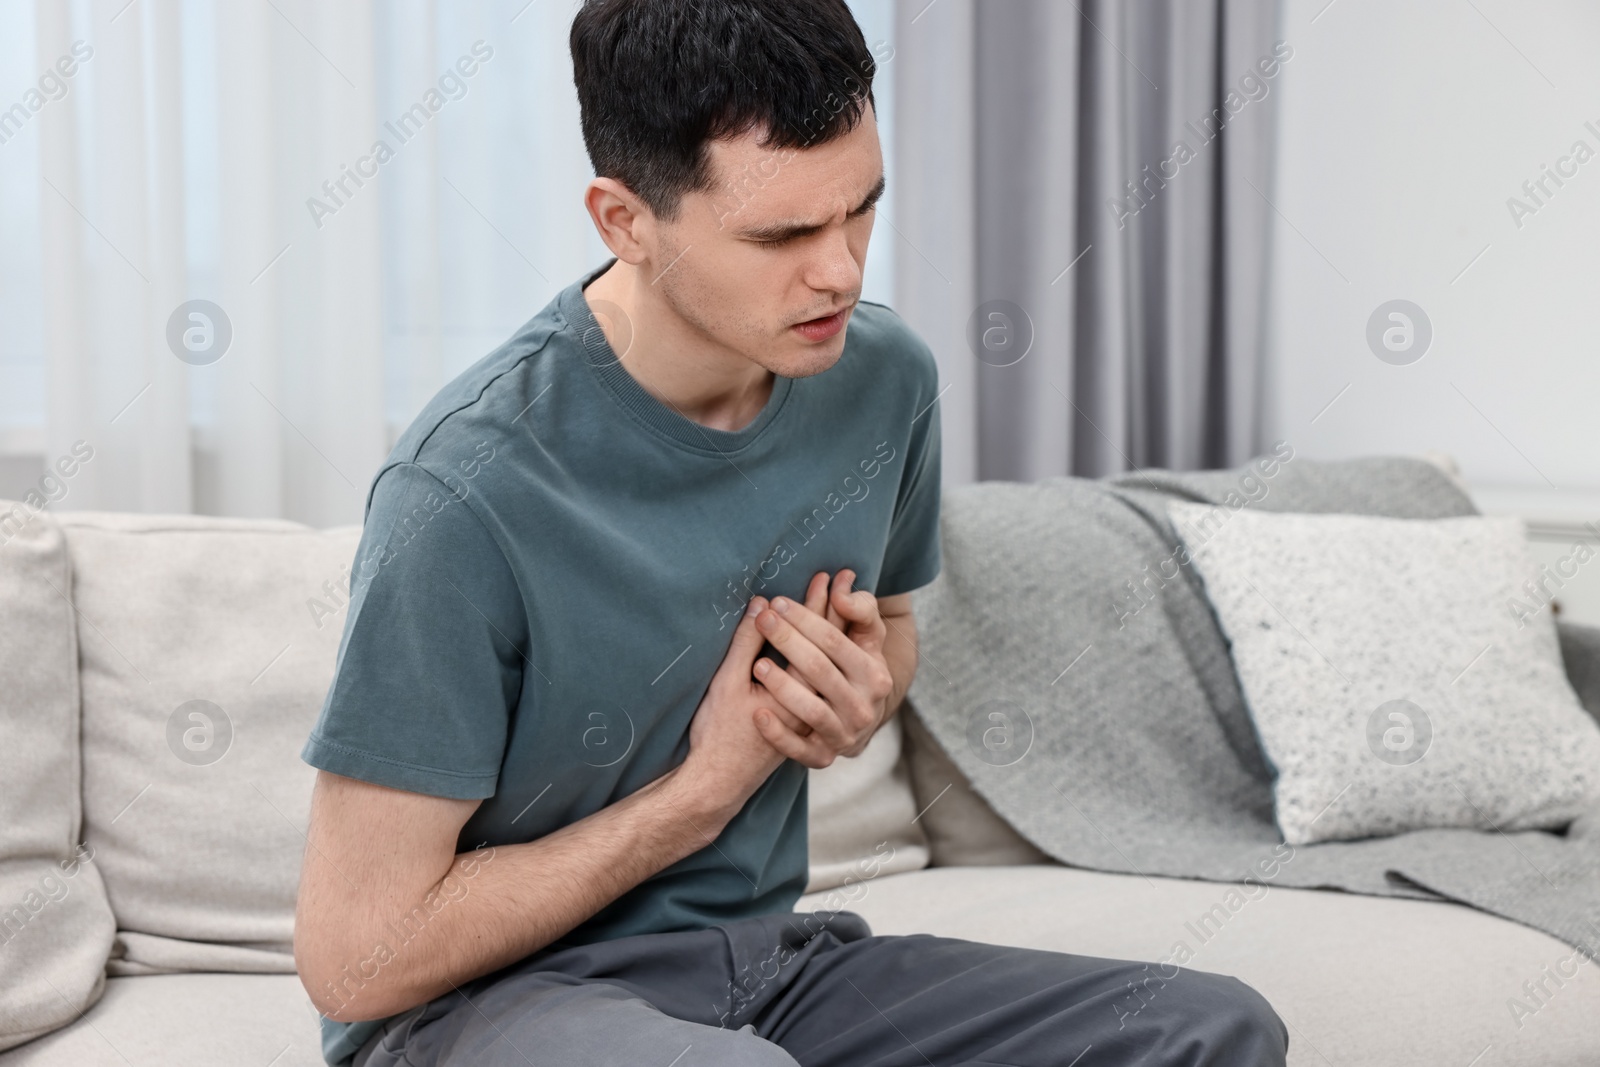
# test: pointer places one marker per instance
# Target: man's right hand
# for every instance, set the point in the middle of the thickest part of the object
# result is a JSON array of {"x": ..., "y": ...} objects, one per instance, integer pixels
[{"x": 727, "y": 754}]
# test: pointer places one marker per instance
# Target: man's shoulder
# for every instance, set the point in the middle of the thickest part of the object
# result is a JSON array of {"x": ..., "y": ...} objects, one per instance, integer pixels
[
  {"x": 479, "y": 412},
  {"x": 892, "y": 345}
]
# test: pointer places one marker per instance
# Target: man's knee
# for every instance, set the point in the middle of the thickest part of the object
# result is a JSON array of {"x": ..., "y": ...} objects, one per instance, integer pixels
[
  {"x": 734, "y": 1048},
  {"x": 1236, "y": 1024},
  {"x": 1197, "y": 1017}
]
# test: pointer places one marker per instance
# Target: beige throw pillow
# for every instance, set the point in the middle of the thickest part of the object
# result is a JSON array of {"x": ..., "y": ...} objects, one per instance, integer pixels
[
  {"x": 861, "y": 816},
  {"x": 207, "y": 646},
  {"x": 963, "y": 830}
]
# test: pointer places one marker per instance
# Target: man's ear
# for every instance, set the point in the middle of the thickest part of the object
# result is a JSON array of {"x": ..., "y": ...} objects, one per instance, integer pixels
[{"x": 623, "y": 221}]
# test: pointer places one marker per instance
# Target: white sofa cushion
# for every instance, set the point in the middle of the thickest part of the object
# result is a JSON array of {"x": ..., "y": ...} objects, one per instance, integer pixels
[
  {"x": 1369, "y": 981},
  {"x": 55, "y": 921},
  {"x": 187, "y": 1020},
  {"x": 1393, "y": 682},
  {"x": 197, "y": 811}
]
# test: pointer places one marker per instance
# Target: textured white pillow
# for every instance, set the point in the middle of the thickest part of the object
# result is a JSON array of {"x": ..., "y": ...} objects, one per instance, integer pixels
[
  {"x": 861, "y": 816},
  {"x": 1393, "y": 679}
]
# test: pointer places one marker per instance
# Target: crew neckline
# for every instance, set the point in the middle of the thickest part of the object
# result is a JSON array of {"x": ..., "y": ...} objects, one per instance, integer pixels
[{"x": 597, "y": 354}]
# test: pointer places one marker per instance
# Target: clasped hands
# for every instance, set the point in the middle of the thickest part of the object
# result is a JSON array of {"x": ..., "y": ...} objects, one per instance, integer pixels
[{"x": 834, "y": 694}]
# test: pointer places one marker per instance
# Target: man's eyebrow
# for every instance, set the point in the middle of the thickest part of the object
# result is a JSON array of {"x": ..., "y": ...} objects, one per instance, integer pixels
[{"x": 777, "y": 231}]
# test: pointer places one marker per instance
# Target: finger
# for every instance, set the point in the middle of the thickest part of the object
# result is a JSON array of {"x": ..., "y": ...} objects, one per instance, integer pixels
[
  {"x": 850, "y": 698},
  {"x": 817, "y": 596},
  {"x": 747, "y": 643},
  {"x": 809, "y": 751},
  {"x": 837, "y": 621},
  {"x": 859, "y": 607},
  {"x": 842, "y": 581},
  {"x": 795, "y": 630},
  {"x": 747, "y": 638},
  {"x": 821, "y": 650},
  {"x": 817, "y": 592},
  {"x": 787, "y": 717},
  {"x": 790, "y": 695}
]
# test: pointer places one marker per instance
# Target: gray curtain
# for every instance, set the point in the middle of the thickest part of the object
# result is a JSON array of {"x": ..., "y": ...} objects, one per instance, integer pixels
[{"x": 1081, "y": 229}]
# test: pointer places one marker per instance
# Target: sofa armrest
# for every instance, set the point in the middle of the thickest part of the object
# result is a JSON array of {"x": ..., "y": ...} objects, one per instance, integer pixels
[{"x": 1580, "y": 651}]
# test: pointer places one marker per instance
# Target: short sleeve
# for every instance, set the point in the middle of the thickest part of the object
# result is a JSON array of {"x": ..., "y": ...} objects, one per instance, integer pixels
[
  {"x": 430, "y": 662},
  {"x": 912, "y": 560}
]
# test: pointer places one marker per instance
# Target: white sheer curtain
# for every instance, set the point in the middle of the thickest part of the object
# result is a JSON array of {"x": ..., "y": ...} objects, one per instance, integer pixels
[{"x": 227, "y": 151}]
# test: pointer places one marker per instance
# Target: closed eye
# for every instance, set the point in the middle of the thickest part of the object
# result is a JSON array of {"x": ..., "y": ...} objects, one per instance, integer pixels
[
  {"x": 783, "y": 235},
  {"x": 778, "y": 242}
]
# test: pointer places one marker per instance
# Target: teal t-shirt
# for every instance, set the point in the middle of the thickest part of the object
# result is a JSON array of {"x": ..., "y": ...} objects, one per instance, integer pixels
[{"x": 551, "y": 568}]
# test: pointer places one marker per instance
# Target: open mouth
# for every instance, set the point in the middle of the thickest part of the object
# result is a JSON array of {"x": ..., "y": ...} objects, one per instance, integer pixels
[{"x": 823, "y": 328}]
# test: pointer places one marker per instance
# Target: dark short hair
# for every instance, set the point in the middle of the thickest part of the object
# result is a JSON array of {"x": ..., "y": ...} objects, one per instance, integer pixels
[{"x": 658, "y": 79}]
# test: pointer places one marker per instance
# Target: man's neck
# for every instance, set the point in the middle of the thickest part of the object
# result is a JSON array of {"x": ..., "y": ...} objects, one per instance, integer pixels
[{"x": 671, "y": 360}]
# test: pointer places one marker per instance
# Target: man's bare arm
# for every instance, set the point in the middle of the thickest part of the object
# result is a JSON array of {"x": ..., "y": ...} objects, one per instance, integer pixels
[
  {"x": 381, "y": 869},
  {"x": 900, "y": 646},
  {"x": 390, "y": 917}
]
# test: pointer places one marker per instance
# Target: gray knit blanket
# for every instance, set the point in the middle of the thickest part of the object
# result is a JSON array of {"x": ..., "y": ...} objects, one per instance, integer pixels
[{"x": 1125, "y": 742}]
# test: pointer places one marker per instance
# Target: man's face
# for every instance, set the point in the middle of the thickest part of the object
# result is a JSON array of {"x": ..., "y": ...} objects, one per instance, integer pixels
[{"x": 780, "y": 241}]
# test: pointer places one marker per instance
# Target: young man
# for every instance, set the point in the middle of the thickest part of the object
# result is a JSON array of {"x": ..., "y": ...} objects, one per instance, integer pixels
[{"x": 560, "y": 815}]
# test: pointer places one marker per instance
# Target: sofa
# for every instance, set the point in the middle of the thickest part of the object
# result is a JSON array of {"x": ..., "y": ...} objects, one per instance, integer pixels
[{"x": 162, "y": 671}]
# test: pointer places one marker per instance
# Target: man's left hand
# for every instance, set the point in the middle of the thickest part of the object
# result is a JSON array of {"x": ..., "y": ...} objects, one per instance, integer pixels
[{"x": 837, "y": 683}]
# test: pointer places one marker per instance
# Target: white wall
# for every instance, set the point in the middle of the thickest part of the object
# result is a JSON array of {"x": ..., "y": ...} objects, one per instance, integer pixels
[{"x": 1405, "y": 127}]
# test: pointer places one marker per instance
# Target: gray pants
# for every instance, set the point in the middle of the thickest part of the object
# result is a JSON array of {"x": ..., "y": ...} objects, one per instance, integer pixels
[{"x": 820, "y": 989}]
